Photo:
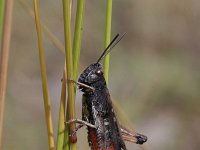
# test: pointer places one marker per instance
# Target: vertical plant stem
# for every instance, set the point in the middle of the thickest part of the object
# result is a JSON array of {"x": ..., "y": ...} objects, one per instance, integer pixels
[
  {"x": 107, "y": 37},
  {"x": 1, "y": 16},
  {"x": 44, "y": 79},
  {"x": 69, "y": 68},
  {"x": 61, "y": 124},
  {"x": 76, "y": 52},
  {"x": 80, "y": 11},
  {"x": 5, "y": 47}
]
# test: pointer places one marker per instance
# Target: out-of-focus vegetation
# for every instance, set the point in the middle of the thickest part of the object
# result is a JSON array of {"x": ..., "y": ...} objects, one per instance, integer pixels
[
  {"x": 154, "y": 71},
  {"x": 5, "y": 38},
  {"x": 1, "y": 16}
]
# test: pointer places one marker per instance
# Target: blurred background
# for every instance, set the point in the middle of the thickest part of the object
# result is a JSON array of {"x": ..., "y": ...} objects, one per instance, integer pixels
[{"x": 154, "y": 71}]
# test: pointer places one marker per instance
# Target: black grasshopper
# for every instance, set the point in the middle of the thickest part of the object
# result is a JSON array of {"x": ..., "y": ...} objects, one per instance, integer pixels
[{"x": 104, "y": 131}]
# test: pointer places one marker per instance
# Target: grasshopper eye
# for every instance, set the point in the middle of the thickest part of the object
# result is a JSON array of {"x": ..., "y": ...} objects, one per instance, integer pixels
[{"x": 99, "y": 72}]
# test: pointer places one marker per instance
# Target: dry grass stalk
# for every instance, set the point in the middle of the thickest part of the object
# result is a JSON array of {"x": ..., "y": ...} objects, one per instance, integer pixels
[{"x": 5, "y": 47}]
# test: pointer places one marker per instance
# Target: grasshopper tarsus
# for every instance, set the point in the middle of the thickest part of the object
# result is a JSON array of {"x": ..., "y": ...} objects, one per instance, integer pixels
[
  {"x": 73, "y": 138},
  {"x": 76, "y": 129}
]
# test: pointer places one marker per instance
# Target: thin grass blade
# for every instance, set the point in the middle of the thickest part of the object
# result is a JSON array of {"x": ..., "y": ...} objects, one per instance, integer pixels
[
  {"x": 61, "y": 124},
  {"x": 69, "y": 68},
  {"x": 107, "y": 37},
  {"x": 80, "y": 11},
  {"x": 5, "y": 48},
  {"x": 1, "y": 16},
  {"x": 44, "y": 79}
]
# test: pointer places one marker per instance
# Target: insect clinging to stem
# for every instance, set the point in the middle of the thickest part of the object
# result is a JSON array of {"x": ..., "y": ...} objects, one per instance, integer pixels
[{"x": 104, "y": 131}]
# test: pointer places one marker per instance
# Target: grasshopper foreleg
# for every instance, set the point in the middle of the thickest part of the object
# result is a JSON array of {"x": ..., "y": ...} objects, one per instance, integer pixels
[
  {"x": 81, "y": 122},
  {"x": 82, "y": 85}
]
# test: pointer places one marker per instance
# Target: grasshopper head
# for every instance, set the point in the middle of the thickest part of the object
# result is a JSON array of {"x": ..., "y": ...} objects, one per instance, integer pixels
[{"x": 92, "y": 74}]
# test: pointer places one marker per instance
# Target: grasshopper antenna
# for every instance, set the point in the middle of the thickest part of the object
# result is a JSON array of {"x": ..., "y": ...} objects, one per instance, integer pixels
[{"x": 110, "y": 46}]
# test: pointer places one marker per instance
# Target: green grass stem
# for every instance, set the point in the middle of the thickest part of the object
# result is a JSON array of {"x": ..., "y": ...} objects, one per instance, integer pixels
[
  {"x": 78, "y": 35},
  {"x": 69, "y": 68},
  {"x": 107, "y": 37},
  {"x": 76, "y": 52},
  {"x": 1, "y": 16},
  {"x": 44, "y": 79},
  {"x": 61, "y": 124}
]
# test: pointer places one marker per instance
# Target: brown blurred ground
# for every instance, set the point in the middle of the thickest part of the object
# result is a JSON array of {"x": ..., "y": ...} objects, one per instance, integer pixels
[{"x": 154, "y": 71}]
